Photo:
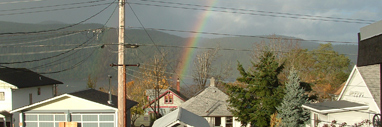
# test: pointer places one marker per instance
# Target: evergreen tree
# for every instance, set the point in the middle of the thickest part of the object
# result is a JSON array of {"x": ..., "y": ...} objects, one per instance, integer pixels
[
  {"x": 290, "y": 110},
  {"x": 256, "y": 102}
]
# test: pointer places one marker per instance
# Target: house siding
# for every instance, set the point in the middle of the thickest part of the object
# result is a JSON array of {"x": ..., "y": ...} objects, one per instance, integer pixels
[
  {"x": 21, "y": 96},
  {"x": 357, "y": 91},
  {"x": 70, "y": 104},
  {"x": 6, "y": 104}
]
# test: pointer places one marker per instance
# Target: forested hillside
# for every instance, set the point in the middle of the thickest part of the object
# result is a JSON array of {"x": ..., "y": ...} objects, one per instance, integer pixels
[{"x": 75, "y": 53}]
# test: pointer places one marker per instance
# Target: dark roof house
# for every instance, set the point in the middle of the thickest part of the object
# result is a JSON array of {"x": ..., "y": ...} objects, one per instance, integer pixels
[{"x": 23, "y": 78}]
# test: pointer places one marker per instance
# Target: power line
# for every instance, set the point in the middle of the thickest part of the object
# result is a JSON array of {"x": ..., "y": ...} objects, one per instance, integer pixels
[
  {"x": 235, "y": 49},
  {"x": 47, "y": 39},
  {"x": 238, "y": 35},
  {"x": 260, "y": 11},
  {"x": 61, "y": 28},
  {"x": 45, "y": 58},
  {"x": 72, "y": 67},
  {"x": 58, "y": 9},
  {"x": 258, "y": 14},
  {"x": 43, "y": 52},
  {"x": 14, "y": 2},
  {"x": 57, "y": 5},
  {"x": 149, "y": 36},
  {"x": 77, "y": 64}
]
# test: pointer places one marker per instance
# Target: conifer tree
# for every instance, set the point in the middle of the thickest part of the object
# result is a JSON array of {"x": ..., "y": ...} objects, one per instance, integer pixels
[
  {"x": 290, "y": 110},
  {"x": 257, "y": 101}
]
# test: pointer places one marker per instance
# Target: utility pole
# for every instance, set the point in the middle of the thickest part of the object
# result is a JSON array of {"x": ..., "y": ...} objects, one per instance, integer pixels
[
  {"x": 121, "y": 69},
  {"x": 124, "y": 88}
]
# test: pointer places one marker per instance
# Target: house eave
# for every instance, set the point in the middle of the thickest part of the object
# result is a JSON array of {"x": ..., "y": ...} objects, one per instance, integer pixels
[{"x": 336, "y": 110}]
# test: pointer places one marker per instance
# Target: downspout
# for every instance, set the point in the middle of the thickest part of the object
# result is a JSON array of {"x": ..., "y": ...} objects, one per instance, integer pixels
[{"x": 21, "y": 121}]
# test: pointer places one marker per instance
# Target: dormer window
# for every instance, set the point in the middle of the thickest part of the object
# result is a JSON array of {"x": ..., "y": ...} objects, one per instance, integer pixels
[{"x": 168, "y": 99}]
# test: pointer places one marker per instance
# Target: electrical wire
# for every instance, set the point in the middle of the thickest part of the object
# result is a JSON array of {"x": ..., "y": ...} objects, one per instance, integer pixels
[
  {"x": 72, "y": 67},
  {"x": 57, "y": 5},
  {"x": 150, "y": 36},
  {"x": 15, "y": 2},
  {"x": 45, "y": 58},
  {"x": 43, "y": 52},
  {"x": 260, "y": 11},
  {"x": 53, "y": 63},
  {"x": 258, "y": 14},
  {"x": 47, "y": 39},
  {"x": 238, "y": 35},
  {"x": 49, "y": 10},
  {"x": 234, "y": 49},
  {"x": 61, "y": 28}
]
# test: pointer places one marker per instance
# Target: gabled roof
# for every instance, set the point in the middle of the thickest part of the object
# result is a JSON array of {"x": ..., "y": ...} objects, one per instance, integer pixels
[
  {"x": 210, "y": 102},
  {"x": 89, "y": 94},
  {"x": 23, "y": 78},
  {"x": 334, "y": 106},
  {"x": 181, "y": 116},
  {"x": 164, "y": 91},
  {"x": 371, "y": 76}
]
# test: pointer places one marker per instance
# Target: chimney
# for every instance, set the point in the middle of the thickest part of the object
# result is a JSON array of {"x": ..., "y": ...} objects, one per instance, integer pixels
[
  {"x": 212, "y": 81},
  {"x": 178, "y": 85}
]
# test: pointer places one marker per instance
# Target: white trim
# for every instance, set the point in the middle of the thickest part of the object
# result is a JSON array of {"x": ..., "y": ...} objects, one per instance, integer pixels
[
  {"x": 115, "y": 109},
  {"x": 347, "y": 81},
  {"x": 55, "y": 98},
  {"x": 37, "y": 103},
  {"x": 336, "y": 110},
  {"x": 355, "y": 69}
]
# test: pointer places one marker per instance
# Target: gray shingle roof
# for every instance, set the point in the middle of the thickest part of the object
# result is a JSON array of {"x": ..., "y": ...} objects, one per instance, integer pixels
[
  {"x": 24, "y": 78},
  {"x": 183, "y": 116},
  {"x": 334, "y": 106},
  {"x": 371, "y": 76},
  {"x": 210, "y": 102}
]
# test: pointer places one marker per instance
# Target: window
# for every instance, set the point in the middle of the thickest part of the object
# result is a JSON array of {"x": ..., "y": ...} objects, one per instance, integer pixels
[
  {"x": 2, "y": 96},
  {"x": 217, "y": 121},
  {"x": 228, "y": 122},
  {"x": 168, "y": 99},
  {"x": 38, "y": 91}
]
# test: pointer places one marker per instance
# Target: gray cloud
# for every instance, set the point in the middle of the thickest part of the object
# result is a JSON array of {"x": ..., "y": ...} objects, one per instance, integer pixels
[{"x": 222, "y": 22}]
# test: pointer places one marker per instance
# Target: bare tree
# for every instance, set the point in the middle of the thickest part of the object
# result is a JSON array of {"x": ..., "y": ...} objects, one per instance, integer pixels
[
  {"x": 205, "y": 67},
  {"x": 154, "y": 77}
]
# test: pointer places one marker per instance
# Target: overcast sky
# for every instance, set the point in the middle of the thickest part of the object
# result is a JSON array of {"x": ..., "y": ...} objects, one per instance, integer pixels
[{"x": 297, "y": 18}]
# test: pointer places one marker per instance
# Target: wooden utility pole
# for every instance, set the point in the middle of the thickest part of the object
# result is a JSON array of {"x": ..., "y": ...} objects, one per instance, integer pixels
[{"x": 121, "y": 69}]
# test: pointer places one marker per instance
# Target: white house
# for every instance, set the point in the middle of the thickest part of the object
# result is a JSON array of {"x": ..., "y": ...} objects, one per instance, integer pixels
[
  {"x": 169, "y": 99},
  {"x": 360, "y": 98},
  {"x": 20, "y": 87},
  {"x": 88, "y": 108},
  {"x": 358, "y": 101},
  {"x": 211, "y": 104}
]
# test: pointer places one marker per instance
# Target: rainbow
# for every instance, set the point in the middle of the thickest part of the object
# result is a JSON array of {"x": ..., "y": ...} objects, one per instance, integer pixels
[{"x": 188, "y": 53}]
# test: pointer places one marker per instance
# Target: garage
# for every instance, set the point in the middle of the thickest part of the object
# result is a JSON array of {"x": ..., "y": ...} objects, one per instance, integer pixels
[{"x": 89, "y": 108}]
